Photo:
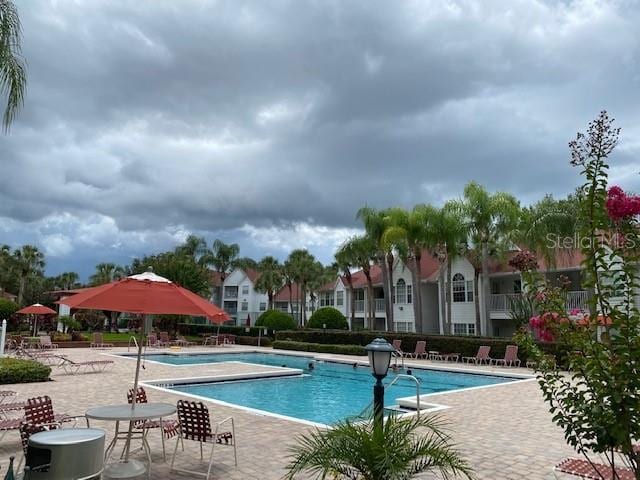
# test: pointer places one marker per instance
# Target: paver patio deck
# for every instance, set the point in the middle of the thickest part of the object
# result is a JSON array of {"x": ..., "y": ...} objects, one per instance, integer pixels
[{"x": 504, "y": 431}]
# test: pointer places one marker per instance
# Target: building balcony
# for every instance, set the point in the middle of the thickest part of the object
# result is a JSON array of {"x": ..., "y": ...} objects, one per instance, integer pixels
[
  {"x": 501, "y": 303},
  {"x": 380, "y": 304},
  {"x": 359, "y": 305}
]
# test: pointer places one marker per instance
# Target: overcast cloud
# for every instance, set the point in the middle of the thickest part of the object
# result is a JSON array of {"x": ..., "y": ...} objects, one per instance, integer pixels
[{"x": 271, "y": 123}]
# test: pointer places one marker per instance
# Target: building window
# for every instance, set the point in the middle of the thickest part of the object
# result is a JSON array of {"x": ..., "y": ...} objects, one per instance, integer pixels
[
  {"x": 245, "y": 306},
  {"x": 464, "y": 329},
  {"x": 469, "y": 290},
  {"x": 517, "y": 286},
  {"x": 401, "y": 292},
  {"x": 409, "y": 293},
  {"x": 263, "y": 306},
  {"x": 459, "y": 288},
  {"x": 230, "y": 292},
  {"x": 339, "y": 298},
  {"x": 245, "y": 289}
]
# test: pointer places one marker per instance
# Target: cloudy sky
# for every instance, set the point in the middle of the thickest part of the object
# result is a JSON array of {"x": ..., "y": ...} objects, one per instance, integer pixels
[{"x": 270, "y": 123}]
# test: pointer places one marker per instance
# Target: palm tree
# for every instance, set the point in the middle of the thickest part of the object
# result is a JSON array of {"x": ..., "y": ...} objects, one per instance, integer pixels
[
  {"x": 411, "y": 233},
  {"x": 346, "y": 260},
  {"x": 357, "y": 450},
  {"x": 13, "y": 77},
  {"x": 271, "y": 278},
  {"x": 222, "y": 257},
  {"x": 106, "y": 273},
  {"x": 66, "y": 281},
  {"x": 245, "y": 263},
  {"x": 28, "y": 260},
  {"x": 492, "y": 220},
  {"x": 363, "y": 250},
  {"x": 304, "y": 268},
  {"x": 195, "y": 247},
  {"x": 376, "y": 223},
  {"x": 288, "y": 273}
]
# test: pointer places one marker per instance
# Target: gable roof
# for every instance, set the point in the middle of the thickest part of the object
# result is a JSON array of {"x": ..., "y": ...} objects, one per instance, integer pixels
[
  {"x": 565, "y": 259},
  {"x": 252, "y": 274},
  {"x": 282, "y": 295}
]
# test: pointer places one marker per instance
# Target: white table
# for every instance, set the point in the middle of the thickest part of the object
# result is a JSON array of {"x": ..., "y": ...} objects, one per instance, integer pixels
[{"x": 129, "y": 413}]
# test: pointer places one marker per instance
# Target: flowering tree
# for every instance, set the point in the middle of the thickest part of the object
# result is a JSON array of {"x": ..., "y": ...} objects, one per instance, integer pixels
[{"x": 598, "y": 403}]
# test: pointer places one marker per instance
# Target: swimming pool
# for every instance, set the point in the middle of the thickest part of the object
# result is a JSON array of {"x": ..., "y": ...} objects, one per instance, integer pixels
[{"x": 329, "y": 392}]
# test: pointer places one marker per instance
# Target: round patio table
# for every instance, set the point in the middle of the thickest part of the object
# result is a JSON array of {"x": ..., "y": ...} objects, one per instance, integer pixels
[{"x": 125, "y": 412}]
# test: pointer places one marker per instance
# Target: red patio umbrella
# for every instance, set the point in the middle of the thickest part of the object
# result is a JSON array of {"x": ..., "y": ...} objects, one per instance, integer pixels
[
  {"x": 36, "y": 309},
  {"x": 149, "y": 294}
]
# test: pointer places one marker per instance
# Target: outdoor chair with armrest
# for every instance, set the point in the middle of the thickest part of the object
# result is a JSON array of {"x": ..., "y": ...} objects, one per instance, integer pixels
[
  {"x": 152, "y": 341},
  {"x": 45, "y": 343},
  {"x": 481, "y": 357},
  {"x": 169, "y": 428},
  {"x": 164, "y": 340},
  {"x": 182, "y": 342},
  {"x": 39, "y": 411},
  {"x": 510, "y": 357},
  {"x": 420, "y": 351},
  {"x": 592, "y": 471},
  {"x": 195, "y": 424}
]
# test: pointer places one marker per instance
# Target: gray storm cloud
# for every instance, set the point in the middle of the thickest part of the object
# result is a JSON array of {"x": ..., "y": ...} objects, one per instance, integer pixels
[{"x": 224, "y": 117}]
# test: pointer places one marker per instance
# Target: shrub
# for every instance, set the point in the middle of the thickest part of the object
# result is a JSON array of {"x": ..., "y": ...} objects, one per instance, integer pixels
[
  {"x": 60, "y": 337},
  {"x": 15, "y": 370},
  {"x": 328, "y": 317},
  {"x": 276, "y": 320},
  {"x": 264, "y": 341},
  {"x": 7, "y": 308},
  {"x": 319, "y": 347}
]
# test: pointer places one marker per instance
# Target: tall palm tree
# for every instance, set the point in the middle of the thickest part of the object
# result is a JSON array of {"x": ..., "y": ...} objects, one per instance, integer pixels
[
  {"x": 411, "y": 232},
  {"x": 222, "y": 256},
  {"x": 376, "y": 223},
  {"x": 106, "y": 273},
  {"x": 305, "y": 268},
  {"x": 364, "y": 252},
  {"x": 13, "y": 77},
  {"x": 346, "y": 260},
  {"x": 271, "y": 278},
  {"x": 492, "y": 219},
  {"x": 66, "y": 280},
  {"x": 289, "y": 274},
  {"x": 28, "y": 260},
  {"x": 448, "y": 239},
  {"x": 356, "y": 450},
  {"x": 195, "y": 247}
]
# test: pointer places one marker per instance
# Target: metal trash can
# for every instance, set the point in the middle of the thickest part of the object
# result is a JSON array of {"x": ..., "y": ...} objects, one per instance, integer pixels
[{"x": 69, "y": 453}]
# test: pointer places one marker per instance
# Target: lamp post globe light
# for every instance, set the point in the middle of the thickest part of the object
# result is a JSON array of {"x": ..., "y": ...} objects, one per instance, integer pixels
[{"x": 379, "y": 352}]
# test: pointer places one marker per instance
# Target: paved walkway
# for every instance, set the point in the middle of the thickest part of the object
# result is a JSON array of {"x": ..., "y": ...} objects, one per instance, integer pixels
[{"x": 505, "y": 431}]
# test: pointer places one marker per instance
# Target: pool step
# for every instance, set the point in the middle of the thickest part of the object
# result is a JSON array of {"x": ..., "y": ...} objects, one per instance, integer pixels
[{"x": 398, "y": 409}]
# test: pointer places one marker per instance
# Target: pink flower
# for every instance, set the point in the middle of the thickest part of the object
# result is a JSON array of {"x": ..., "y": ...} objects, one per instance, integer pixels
[
  {"x": 575, "y": 311},
  {"x": 541, "y": 296},
  {"x": 620, "y": 205}
]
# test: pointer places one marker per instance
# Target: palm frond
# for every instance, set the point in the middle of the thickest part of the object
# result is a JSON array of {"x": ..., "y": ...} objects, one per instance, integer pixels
[{"x": 13, "y": 78}]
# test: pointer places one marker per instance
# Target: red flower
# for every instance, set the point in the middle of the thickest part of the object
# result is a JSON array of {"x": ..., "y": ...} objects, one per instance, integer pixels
[{"x": 620, "y": 205}]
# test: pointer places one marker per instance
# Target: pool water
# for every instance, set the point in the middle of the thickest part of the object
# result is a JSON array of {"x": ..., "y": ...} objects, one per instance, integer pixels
[{"x": 328, "y": 393}]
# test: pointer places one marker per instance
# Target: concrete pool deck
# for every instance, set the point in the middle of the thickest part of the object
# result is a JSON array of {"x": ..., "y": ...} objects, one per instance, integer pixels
[{"x": 505, "y": 431}]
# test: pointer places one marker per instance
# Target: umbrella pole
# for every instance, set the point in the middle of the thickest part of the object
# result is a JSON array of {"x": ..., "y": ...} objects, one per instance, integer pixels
[{"x": 135, "y": 391}]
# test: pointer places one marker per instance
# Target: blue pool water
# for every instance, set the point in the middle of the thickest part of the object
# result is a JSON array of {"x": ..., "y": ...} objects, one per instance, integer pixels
[{"x": 330, "y": 392}]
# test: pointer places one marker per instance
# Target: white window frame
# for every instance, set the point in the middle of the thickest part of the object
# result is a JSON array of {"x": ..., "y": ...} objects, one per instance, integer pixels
[
  {"x": 462, "y": 288},
  {"x": 409, "y": 293},
  {"x": 401, "y": 292},
  {"x": 263, "y": 306},
  {"x": 339, "y": 298},
  {"x": 245, "y": 289},
  {"x": 244, "y": 306}
]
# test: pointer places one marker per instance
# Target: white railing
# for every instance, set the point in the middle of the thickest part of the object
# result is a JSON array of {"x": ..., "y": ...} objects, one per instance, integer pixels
[
  {"x": 359, "y": 305},
  {"x": 380, "y": 304},
  {"x": 577, "y": 300},
  {"x": 230, "y": 293},
  {"x": 502, "y": 302}
]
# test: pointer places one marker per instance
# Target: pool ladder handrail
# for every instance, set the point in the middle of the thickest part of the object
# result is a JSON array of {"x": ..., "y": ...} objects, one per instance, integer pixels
[
  {"x": 135, "y": 342},
  {"x": 417, "y": 382},
  {"x": 397, "y": 377}
]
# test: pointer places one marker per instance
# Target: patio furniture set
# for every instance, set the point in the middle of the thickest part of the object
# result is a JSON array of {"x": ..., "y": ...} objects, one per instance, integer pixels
[
  {"x": 480, "y": 358},
  {"x": 193, "y": 423}
]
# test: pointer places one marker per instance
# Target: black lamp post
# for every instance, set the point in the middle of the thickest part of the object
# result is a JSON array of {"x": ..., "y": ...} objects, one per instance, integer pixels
[{"x": 379, "y": 352}]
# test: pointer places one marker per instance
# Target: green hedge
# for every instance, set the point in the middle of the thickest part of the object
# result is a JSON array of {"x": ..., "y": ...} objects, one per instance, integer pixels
[
  {"x": 15, "y": 370},
  {"x": 196, "y": 329},
  {"x": 320, "y": 347},
  {"x": 264, "y": 341},
  {"x": 466, "y": 346},
  {"x": 330, "y": 317}
]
